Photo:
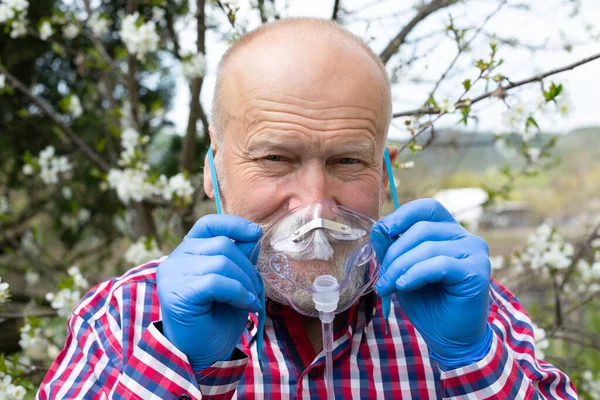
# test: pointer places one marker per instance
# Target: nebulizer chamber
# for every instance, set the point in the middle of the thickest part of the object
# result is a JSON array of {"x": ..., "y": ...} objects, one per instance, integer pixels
[{"x": 318, "y": 259}]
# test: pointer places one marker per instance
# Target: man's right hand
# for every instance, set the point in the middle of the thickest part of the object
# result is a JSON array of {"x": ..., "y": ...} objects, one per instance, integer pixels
[{"x": 207, "y": 287}]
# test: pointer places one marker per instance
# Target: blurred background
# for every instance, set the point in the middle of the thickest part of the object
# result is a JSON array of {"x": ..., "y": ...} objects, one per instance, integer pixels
[{"x": 104, "y": 111}]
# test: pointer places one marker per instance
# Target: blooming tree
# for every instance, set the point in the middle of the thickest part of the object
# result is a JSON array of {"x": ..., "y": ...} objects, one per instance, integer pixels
[{"x": 95, "y": 177}]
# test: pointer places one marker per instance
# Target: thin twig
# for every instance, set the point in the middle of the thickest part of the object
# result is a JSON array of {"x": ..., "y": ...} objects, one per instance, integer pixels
[
  {"x": 336, "y": 9},
  {"x": 466, "y": 46},
  {"x": 47, "y": 108},
  {"x": 500, "y": 91},
  {"x": 394, "y": 45}
]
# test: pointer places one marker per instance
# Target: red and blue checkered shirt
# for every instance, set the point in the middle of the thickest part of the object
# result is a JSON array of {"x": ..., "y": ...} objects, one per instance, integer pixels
[{"x": 115, "y": 350}]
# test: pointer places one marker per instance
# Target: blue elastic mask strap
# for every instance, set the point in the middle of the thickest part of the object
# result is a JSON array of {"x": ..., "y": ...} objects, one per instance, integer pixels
[
  {"x": 213, "y": 176},
  {"x": 386, "y": 301},
  {"x": 261, "y": 315}
]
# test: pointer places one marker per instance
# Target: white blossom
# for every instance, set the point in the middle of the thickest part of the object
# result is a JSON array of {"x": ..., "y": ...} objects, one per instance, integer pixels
[
  {"x": 177, "y": 185},
  {"x": 446, "y": 106},
  {"x": 64, "y": 301},
  {"x": 504, "y": 149},
  {"x": 268, "y": 10},
  {"x": 75, "y": 108},
  {"x": 138, "y": 253},
  {"x": 32, "y": 277},
  {"x": 589, "y": 272},
  {"x": 2, "y": 79},
  {"x": 32, "y": 341},
  {"x": 541, "y": 342},
  {"x": 591, "y": 385},
  {"x": 546, "y": 248},
  {"x": 141, "y": 39},
  {"x": 564, "y": 106},
  {"x": 28, "y": 169},
  {"x": 17, "y": 5},
  {"x": 67, "y": 192},
  {"x": 79, "y": 281},
  {"x": 515, "y": 116},
  {"x": 595, "y": 243},
  {"x": 19, "y": 28},
  {"x": 71, "y": 31},
  {"x": 130, "y": 184},
  {"x": 6, "y": 13},
  {"x": 98, "y": 25},
  {"x": 497, "y": 262},
  {"x": 10, "y": 391},
  {"x": 130, "y": 139},
  {"x": 3, "y": 205},
  {"x": 4, "y": 293},
  {"x": 158, "y": 13},
  {"x": 194, "y": 66},
  {"x": 83, "y": 215},
  {"x": 407, "y": 165},
  {"x": 534, "y": 153},
  {"x": 51, "y": 166},
  {"x": 46, "y": 30}
]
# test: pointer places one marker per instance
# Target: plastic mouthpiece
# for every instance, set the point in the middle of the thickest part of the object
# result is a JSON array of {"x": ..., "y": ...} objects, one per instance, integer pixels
[{"x": 326, "y": 293}]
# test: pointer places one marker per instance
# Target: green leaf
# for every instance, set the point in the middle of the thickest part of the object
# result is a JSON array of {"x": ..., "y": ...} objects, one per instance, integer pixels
[
  {"x": 465, "y": 111},
  {"x": 467, "y": 84},
  {"x": 553, "y": 92},
  {"x": 431, "y": 101},
  {"x": 101, "y": 144},
  {"x": 531, "y": 121}
]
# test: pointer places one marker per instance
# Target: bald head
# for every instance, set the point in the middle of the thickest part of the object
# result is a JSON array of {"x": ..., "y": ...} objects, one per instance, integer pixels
[{"x": 291, "y": 56}]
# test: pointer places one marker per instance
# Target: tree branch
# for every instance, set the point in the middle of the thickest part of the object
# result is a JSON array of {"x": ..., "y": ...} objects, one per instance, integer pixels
[
  {"x": 393, "y": 47},
  {"x": 188, "y": 148},
  {"x": 47, "y": 108},
  {"x": 461, "y": 49},
  {"x": 500, "y": 91},
  {"x": 336, "y": 9}
]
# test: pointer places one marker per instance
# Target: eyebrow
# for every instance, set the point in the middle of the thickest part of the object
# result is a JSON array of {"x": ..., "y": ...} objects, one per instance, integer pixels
[{"x": 288, "y": 143}]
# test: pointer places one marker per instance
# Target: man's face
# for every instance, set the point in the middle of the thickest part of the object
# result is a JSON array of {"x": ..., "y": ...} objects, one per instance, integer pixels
[{"x": 305, "y": 123}]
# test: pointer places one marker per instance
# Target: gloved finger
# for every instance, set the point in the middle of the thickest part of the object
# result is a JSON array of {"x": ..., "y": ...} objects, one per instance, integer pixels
[
  {"x": 221, "y": 265},
  {"x": 231, "y": 226},
  {"x": 461, "y": 276},
  {"x": 422, "y": 231},
  {"x": 219, "y": 246},
  {"x": 211, "y": 288},
  {"x": 387, "y": 281},
  {"x": 410, "y": 213},
  {"x": 380, "y": 241},
  {"x": 250, "y": 250}
]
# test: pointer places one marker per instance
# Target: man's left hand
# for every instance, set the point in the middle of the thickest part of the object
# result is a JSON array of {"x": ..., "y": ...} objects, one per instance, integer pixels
[{"x": 440, "y": 274}]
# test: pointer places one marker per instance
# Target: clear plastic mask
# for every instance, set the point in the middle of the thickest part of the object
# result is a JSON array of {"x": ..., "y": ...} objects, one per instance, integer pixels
[{"x": 313, "y": 248}]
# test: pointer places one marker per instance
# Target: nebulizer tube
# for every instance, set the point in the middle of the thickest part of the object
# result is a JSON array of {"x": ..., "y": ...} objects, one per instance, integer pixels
[{"x": 326, "y": 294}]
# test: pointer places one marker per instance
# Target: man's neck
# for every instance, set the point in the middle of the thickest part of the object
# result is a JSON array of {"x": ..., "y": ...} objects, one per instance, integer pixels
[{"x": 314, "y": 331}]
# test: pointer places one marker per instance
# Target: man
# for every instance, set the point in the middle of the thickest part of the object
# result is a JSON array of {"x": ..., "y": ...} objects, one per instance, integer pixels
[{"x": 300, "y": 114}]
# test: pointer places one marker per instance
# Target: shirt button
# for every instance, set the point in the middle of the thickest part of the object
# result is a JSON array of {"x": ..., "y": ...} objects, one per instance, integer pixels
[
  {"x": 185, "y": 396},
  {"x": 250, "y": 324},
  {"x": 313, "y": 373}
]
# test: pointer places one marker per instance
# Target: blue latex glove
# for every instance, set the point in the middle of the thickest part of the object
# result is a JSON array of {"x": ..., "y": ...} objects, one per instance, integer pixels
[
  {"x": 207, "y": 286},
  {"x": 440, "y": 274}
]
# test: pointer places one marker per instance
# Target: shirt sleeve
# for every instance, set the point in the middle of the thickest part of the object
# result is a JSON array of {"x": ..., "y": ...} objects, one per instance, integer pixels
[
  {"x": 510, "y": 370},
  {"x": 156, "y": 369}
]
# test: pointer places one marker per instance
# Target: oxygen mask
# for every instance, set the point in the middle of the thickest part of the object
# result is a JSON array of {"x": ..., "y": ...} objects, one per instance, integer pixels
[{"x": 318, "y": 257}]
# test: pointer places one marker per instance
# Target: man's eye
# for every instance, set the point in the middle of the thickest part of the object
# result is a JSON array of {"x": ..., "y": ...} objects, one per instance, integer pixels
[
  {"x": 273, "y": 157},
  {"x": 348, "y": 161}
]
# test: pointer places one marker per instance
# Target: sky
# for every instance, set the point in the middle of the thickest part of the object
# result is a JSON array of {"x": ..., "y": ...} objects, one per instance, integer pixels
[{"x": 548, "y": 25}]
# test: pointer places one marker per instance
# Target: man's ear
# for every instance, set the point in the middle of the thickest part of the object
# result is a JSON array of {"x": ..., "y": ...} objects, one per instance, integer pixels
[
  {"x": 393, "y": 150},
  {"x": 209, "y": 188}
]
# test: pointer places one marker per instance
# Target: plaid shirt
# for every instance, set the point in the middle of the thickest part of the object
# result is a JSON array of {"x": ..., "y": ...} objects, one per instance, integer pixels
[{"x": 115, "y": 350}]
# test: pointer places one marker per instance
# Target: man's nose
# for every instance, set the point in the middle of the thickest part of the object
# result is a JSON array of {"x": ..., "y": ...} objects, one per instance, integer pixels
[{"x": 313, "y": 184}]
